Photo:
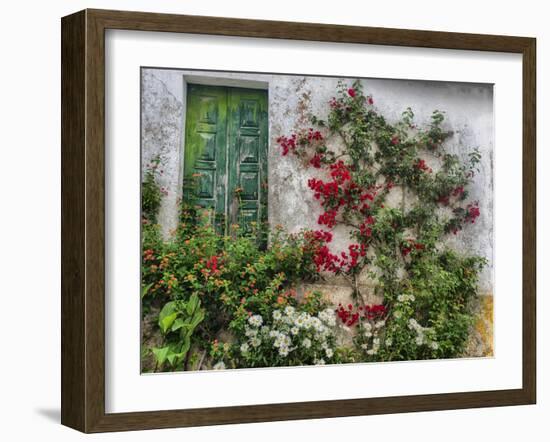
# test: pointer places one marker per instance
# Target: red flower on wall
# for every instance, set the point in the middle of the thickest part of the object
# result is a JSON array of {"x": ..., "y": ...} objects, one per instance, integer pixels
[{"x": 421, "y": 165}]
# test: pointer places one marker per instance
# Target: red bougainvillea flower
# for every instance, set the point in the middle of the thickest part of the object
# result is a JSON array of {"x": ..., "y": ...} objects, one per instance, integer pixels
[
  {"x": 375, "y": 311},
  {"x": 321, "y": 235},
  {"x": 314, "y": 135},
  {"x": 458, "y": 191},
  {"x": 351, "y": 92},
  {"x": 370, "y": 100},
  {"x": 409, "y": 245},
  {"x": 340, "y": 172},
  {"x": 443, "y": 199},
  {"x": 316, "y": 161},
  {"x": 472, "y": 212},
  {"x": 287, "y": 143},
  {"x": 395, "y": 140},
  {"x": 328, "y": 218},
  {"x": 421, "y": 165},
  {"x": 347, "y": 315}
]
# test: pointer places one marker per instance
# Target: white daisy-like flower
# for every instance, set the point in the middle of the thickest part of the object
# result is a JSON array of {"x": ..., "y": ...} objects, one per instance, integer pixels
[
  {"x": 306, "y": 343},
  {"x": 364, "y": 346},
  {"x": 434, "y": 345},
  {"x": 376, "y": 341},
  {"x": 294, "y": 330},
  {"x": 283, "y": 350},
  {"x": 367, "y": 326},
  {"x": 371, "y": 352},
  {"x": 281, "y": 341},
  {"x": 255, "y": 342},
  {"x": 411, "y": 298},
  {"x": 319, "y": 362},
  {"x": 250, "y": 332},
  {"x": 300, "y": 320},
  {"x": 389, "y": 342},
  {"x": 277, "y": 315},
  {"x": 397, "y": 314},
  {"x": 401, "y": 298},
  {"x": 274, "y": 333},
  {"x": 256, "y": 320},
  {"x": 322, "y": 331},
  {"x": 329, "y": 352},
  {"x": 219, "y": 366},
  {"x": 328, "y": 317},
  {"x": 244, "y": 348},
  {"x": 264, "y": 329},
  {"x": 380, "y": 324},
  {"x": 289, "y": 310},
  {"x": 368, "y": 334},
  {"x": 316, "y": 324},
  {"x": 420, "y": 340}
]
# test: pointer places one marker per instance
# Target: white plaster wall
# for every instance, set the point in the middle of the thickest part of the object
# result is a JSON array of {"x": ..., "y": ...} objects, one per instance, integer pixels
[{"x": 292, "y": 99}]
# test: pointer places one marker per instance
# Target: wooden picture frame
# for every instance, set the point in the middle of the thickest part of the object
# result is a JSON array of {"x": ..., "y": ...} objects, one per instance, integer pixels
[{"x": 83, "y": 220}]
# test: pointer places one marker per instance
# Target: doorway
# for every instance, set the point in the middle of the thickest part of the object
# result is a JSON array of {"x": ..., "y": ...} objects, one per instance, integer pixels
[{"x": 225, "y": 160}]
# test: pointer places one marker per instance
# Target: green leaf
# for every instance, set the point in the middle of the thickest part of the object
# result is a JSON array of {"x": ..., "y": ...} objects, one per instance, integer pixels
[
  {"x": 192, "y": 304},
  {"x": 174, "y": 358},
  {"x": 145, "y": 289},
  {"x": 168, "y": 309},
  {"x": 167, "y": 321},
  {"x": 178, "y": 323},
  {"x": 161, "y": 354}
]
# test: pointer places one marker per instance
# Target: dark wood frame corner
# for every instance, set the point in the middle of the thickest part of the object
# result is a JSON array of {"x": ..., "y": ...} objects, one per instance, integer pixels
[{"x": 83, "y": 216}]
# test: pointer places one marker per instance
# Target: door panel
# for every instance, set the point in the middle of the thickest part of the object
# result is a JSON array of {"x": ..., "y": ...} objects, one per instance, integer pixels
[
  {"x": 248, "y": 159},
  {"x": 226, "y": 153},
  {"x": 205, "y": 150}
]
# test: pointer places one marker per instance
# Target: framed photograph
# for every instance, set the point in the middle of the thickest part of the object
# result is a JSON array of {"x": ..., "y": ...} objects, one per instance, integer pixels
[{"x": 265, "y": 221}]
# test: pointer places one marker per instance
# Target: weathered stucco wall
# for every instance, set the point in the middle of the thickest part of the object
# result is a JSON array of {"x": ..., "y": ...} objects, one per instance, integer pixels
[{"x": 292, "y": 99}]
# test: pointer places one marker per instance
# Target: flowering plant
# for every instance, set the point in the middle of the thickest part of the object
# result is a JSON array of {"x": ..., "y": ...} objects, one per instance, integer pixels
[
  {"x": 289, "y": 337},
  {"x": 397, "y": 193}
]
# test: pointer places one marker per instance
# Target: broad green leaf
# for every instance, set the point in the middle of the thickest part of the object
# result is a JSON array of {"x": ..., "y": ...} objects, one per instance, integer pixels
[
  {"x": 175, "y": 358},
  {"x": 178, "y": 323},
  {"x": 168, "y": 309},
  {"x": 192, "y": 304},
  {"x": 161, "y": 354},
  {"x": 166, "y": 322}
]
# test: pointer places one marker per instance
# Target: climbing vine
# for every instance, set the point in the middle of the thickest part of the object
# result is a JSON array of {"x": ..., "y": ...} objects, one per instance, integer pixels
[{"x": 398, "y": 193}]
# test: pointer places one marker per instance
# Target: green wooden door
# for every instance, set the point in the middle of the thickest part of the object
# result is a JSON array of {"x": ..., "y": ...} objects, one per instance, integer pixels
[{"x": 226, "y": 153}]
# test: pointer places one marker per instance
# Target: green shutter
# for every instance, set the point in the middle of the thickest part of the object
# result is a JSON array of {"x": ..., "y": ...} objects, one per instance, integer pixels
[{"x": 226, "y": 145}]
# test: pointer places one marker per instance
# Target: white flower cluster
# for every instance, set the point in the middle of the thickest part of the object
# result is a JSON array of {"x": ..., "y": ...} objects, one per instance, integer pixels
[
  {"x": 422, "y": 333},
  {"x": 405, "y": 298},
  {"x": 255, "y": 320},
  {"x": 292, "y": 331},
  {"x": 372, "y": 331}
]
